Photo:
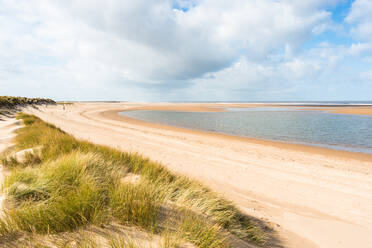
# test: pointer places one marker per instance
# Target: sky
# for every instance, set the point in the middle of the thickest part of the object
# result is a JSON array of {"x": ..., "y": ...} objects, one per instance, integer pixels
[{"x": 187, "y": 50}]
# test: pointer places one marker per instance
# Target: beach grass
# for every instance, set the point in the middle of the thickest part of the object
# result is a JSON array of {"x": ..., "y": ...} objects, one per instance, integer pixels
[
  {"x": 69, "y": 184},
  {"x": 9, "y": 103},
  {"x": 65, "y": 103}
]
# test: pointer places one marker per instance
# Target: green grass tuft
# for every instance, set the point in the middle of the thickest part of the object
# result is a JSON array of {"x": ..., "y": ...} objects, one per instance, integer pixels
[
  {"x": 135, "y": 204},
  {"x": 202, "y": 234}
]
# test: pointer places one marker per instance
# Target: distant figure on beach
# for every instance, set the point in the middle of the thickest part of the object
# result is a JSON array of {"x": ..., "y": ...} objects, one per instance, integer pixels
[{"x": 64, "y": 107}]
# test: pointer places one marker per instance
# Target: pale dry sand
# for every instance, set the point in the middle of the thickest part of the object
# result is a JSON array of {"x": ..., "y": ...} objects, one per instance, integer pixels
[
  {"x": 314, "y": 197},
  {"x": 7, "y": 128}
]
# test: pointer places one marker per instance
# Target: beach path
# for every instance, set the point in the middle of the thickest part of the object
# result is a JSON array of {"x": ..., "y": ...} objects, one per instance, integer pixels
[{"x": 7, "y": 128}]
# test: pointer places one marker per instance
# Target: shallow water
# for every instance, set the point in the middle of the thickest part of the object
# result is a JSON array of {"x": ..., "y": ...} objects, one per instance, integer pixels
[{"x": 293, "y": 125}]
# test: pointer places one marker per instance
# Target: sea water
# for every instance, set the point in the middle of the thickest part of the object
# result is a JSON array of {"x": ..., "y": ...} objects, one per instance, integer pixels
[{"x": 292, "y": 125}]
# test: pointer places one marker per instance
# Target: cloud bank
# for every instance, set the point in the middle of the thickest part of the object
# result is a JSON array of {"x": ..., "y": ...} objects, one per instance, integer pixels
[{"x": 186, "y": 49}]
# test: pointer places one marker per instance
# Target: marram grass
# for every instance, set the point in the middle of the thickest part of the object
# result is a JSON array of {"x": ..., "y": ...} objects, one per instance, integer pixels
[
  {"x": 9, "y": 103},
  {"x": 70, "y": 184}
]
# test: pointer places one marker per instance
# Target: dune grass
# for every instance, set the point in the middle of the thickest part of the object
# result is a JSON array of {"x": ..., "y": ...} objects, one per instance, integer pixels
[
  {"x": 9, "y": 103},
  {"x": 65, "y": 103},
  {"x": 71, "y": 183}
]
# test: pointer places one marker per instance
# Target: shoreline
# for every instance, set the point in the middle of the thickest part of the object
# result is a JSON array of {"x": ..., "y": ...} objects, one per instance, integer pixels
[
  {"x": 115, "y": 115},
  {"x": 365, "y": 110}
]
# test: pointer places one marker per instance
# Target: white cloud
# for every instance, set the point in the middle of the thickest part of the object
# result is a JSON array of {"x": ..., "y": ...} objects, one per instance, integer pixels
[
  {"x": 367, "y": 76},
  {"x": 361, "y": 49},
  {"x": 360, "y": 11},
  {"x": 170, "y": 44},
  {"x": 134, "y": 47},
  {"x": 360, "y": 15},
  {"x": 318, "y": 74}
]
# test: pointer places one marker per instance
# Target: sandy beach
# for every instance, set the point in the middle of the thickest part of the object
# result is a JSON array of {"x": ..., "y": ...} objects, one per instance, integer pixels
[{"x": 312, "y": 197}]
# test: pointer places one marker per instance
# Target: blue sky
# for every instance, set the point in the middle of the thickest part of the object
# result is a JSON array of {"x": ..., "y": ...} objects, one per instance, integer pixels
[
  {"x": 187, "y": 50},
  {"x": 340, "y": 10}
]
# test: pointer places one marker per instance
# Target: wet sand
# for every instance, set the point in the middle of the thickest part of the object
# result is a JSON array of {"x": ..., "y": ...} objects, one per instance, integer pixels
[
  {"x": 350, "y": 110},
  {"x": 219, "y": 107},
  {"x": 312, "y": 197},
  {"x": 114, "y": 115}
]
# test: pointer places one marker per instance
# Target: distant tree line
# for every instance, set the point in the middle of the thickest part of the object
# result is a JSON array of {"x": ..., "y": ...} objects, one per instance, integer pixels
[{"x": 12, "y": 102}]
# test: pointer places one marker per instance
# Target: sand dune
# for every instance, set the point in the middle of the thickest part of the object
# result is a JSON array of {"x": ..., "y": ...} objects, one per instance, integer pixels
[{"x": 313, "y": 197}]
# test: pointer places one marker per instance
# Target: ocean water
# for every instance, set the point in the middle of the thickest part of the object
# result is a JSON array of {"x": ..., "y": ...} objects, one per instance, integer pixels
[{"x": 294, "y": 125}]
